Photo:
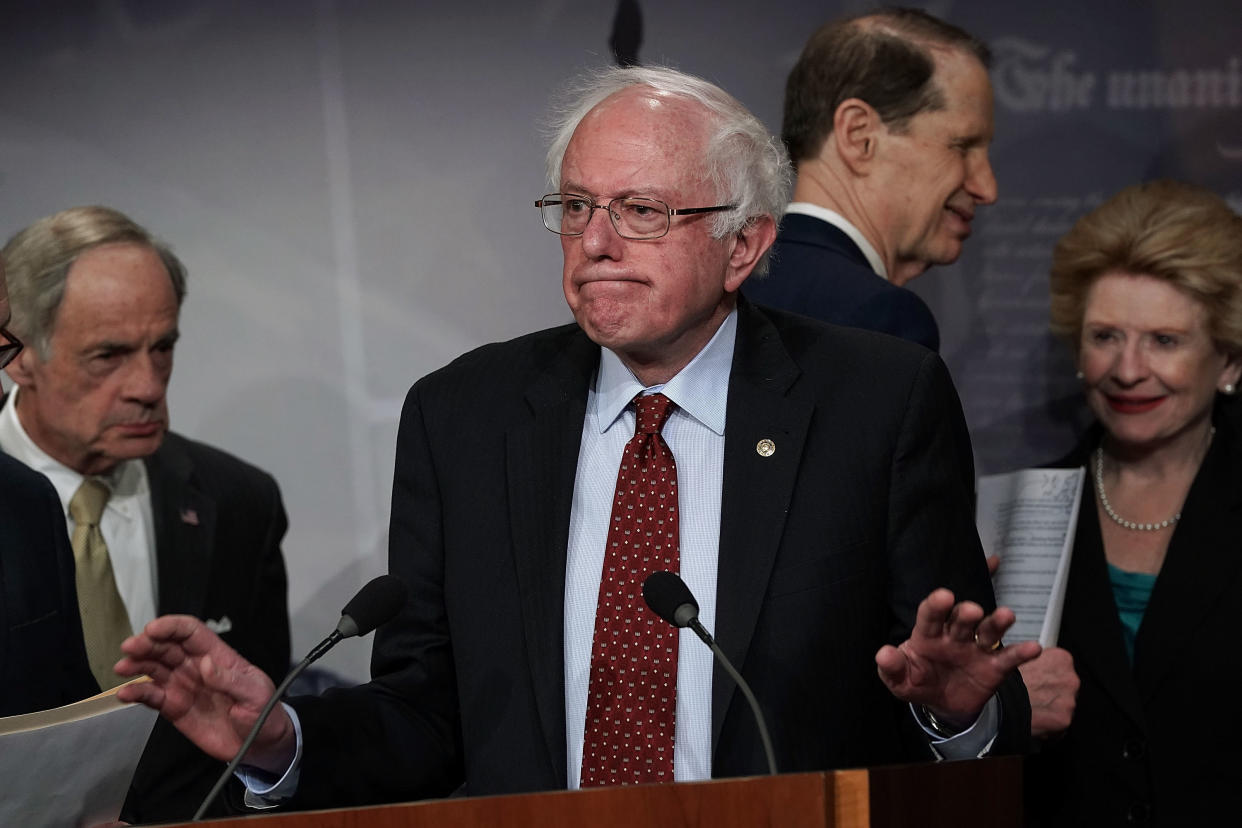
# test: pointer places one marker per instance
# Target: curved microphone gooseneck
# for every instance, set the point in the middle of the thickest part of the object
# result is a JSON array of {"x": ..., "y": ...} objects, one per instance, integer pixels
[
  {"x": 377, "y": 602},
  {"x": 669, "y": 597}
]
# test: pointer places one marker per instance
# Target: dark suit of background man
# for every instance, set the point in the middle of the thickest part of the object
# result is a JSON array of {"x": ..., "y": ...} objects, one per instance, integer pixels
[
  {"x": 42, "y": 656},
  {"x": 189, "y": 528},
  {"x": 824, "y": 489},
  {"x": 888, "y": 118}
]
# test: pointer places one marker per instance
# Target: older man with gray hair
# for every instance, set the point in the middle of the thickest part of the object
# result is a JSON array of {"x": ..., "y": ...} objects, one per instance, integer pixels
[
  {"x": 811, "y": 485},
  {"x": 160, "y": 523}
]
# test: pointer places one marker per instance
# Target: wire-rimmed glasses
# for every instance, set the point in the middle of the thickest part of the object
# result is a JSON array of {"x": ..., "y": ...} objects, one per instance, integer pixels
[{"x": 633, "y": 217}]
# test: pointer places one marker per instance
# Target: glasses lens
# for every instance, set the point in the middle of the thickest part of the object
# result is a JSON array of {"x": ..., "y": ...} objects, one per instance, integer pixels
[
  {"x": 640, "y": 218},
  {"x": 565, "y": 213}
]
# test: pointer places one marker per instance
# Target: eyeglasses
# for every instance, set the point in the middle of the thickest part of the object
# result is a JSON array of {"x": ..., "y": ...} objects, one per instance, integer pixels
[
  {"x": 568, "y": 214},
  {"x": 11, "y": 348}
]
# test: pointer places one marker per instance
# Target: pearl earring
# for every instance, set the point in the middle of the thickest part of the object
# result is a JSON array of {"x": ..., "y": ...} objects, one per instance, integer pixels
[
  {"x": 1078, "y": 375},
  {"x": 1229, "y": 389}
]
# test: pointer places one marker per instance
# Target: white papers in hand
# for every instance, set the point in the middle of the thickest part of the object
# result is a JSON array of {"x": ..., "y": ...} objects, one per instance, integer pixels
[
  {"x": 71, "y": 766},
  {"x": 1028, "y": 518}
]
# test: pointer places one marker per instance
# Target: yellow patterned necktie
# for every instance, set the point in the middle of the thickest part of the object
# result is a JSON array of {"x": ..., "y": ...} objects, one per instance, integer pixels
[{"x": 105, "y": 623}]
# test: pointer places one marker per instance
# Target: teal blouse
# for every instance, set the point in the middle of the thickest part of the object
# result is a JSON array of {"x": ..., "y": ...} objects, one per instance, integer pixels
[{"x": 1131, "y": 592}]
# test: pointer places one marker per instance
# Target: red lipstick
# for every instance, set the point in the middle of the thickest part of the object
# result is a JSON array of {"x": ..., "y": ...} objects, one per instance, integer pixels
[{"x": 1133, "y": 405}]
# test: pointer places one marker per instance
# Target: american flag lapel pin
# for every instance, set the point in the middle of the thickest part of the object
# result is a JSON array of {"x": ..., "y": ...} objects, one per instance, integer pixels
[{"x": 189, "y": 516}]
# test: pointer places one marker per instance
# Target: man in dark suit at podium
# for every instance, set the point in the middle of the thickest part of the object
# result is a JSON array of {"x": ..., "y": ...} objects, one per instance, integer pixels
[
  {"x": 888, "y": 117},
  {"x": 812, "y": 484},
  {"x": 42, "y": 656}
]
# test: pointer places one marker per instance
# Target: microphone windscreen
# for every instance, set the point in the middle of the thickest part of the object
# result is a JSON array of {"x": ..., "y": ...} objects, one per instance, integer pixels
[
  {"x": 374, "y": 604},
  {"x": 666, "y": 593}
]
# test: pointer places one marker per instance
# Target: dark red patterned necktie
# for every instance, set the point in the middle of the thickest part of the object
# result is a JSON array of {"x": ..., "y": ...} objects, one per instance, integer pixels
[{"x": 632, "y": 698}]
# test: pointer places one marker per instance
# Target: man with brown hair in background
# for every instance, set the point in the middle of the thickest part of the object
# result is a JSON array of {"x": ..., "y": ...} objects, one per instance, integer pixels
[{"x": 888, "y": 118}]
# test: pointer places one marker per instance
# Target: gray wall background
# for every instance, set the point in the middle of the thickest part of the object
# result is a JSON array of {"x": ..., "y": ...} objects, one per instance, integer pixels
[{"x": 350, "y": 184}]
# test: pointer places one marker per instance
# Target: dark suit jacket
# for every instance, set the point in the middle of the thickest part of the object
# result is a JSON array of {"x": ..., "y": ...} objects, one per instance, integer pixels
[
  {"x": 826, "y": 548},
  {"x": 42, "y": 657},
  {"x": 817, "y": 271},
  {"x": 218, "y": 527},
  {"x": 1156, "y": 743}
]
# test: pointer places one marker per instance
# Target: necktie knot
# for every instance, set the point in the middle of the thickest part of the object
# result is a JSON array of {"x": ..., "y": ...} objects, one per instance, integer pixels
[
  {"x": 88, "y": 502},
  {"x": 653, "y": 412}
]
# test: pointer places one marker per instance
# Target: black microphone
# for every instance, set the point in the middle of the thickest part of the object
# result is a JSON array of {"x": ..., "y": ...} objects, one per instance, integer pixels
[
  {"x": 668, "y": 597},
  {"x": 377, "y": 602}
]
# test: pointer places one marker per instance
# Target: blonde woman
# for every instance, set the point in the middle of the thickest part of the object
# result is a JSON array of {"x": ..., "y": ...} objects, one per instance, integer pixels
[{"x": 1148, "y": 291}]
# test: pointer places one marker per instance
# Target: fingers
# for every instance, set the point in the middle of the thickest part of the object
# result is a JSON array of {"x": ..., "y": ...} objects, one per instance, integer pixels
[
  {"x": 993, "y": 562},
  {"x": 129, "y": 666},
  {"x": 1007, "y": 658},
  {"x": 932, "y": 614},
  {"x": 961, "y": 623},
  {"x": 964, "y": 621},
  {"x": 168, "y": 633},
  {"x": 176, "y": 630},
  {"x": 991, "y": 629},
  {"x": 171, "y": 640},
  {"x": 144, "y": 692},
  {"x": 892, "y": 666},
  {"x": 1052, "y": 685}
]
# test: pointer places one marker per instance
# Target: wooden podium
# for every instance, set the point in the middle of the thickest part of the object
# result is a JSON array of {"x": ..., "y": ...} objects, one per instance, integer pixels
[{"x": 982, "y": 792}]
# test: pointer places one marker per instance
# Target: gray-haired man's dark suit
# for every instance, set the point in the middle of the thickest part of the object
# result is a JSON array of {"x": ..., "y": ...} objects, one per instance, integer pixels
[{"x": 219, "y": 522}]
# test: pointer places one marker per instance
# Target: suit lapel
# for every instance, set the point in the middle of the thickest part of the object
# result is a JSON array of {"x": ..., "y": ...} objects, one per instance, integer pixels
[
  {"x": 757, "y": 487},
  {"x": 1197, "y": 570},
  {"x": 185, "y": 522},
  {"x": 542, "y": 459}
]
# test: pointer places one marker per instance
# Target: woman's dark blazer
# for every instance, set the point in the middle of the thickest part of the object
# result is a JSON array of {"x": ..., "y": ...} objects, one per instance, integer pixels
[{"x": 1159, "y": 743}]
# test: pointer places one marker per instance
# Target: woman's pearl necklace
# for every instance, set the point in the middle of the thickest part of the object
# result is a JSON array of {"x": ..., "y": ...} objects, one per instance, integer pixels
[{"x": 1108, "y": 507}]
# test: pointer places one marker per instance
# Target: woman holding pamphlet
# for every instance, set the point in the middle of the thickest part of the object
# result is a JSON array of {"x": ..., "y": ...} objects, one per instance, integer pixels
[{"x": 1147, "y": 289}]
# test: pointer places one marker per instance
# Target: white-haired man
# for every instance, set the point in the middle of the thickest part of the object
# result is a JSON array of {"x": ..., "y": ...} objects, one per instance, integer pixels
[{"x": 811, "y": 485}]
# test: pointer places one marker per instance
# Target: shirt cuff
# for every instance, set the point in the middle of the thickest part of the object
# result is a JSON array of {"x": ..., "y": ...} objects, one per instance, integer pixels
[
  {"x": 973, "y": 742},
  {"x": 261, "y": 791}
]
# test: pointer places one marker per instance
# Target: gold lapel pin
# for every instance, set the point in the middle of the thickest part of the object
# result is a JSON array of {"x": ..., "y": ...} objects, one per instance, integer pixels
[{"x": 765, "y": 447}]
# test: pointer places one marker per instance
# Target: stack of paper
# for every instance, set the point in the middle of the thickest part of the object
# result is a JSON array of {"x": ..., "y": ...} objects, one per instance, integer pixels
[
  {"x": 1028, "y": 518},
  {"x": 71, "y": 766}
]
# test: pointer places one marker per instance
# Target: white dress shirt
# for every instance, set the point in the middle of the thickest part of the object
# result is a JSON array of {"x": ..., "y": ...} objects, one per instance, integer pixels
[{"x": 128, "y": 523}]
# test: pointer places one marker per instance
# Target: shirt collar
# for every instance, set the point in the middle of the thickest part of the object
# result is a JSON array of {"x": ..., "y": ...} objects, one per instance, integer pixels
[
  {"x": 843, "y": 224},
  {"x": 701, "y": 389}
]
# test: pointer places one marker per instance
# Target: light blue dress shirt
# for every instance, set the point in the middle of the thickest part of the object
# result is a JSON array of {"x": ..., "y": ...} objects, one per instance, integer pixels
[{"x": 694, "y": 433}]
